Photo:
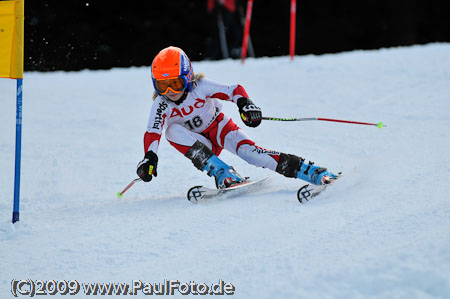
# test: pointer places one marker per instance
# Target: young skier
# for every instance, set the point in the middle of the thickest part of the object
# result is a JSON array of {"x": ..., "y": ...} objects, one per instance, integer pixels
[{"x": 189, "y": 107}]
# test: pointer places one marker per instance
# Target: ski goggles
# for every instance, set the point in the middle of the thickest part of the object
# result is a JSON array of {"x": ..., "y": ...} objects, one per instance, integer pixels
[{"x": 176, "y": 85}]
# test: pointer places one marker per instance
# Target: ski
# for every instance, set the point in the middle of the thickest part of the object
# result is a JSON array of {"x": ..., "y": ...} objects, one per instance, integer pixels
[
  {"x": 200, "y": 193},
  {"x": 309, "y": 191}
]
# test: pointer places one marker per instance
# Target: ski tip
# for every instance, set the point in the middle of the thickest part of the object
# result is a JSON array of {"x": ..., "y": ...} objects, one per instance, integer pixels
[
  {"x": 308, "y": 191},
  {"x": 194, "y": 194},
  {"x": 119, "y": 195},
  {"x": 303, "y": 193}
]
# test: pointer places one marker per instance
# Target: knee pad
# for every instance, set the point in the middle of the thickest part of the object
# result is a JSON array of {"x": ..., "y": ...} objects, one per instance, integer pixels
[
  {"x": 288, "y": 165},
  {"x": 199, "y": 154}
]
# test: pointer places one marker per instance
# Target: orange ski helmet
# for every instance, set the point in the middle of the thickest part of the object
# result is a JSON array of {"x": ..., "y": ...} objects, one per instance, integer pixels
[{"x": 171, "y": 70}]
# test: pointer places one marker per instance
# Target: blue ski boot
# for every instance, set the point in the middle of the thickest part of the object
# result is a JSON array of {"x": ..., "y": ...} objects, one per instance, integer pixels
[
  {"x": 205, "y": 160},
  {"x": 225, "y": 175},
  {"x": 293, "y": 166},
  {"x": 314, "y": 174}
]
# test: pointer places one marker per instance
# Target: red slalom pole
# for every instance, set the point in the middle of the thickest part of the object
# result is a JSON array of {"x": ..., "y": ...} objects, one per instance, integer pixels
[
  {"x": 379, "y": 125},
  {"x": 120, "y": 194},
  {"x": 350, "y": 122},
  {"x": 292, "y": 38},
  {"x": 248, "y": 18}
]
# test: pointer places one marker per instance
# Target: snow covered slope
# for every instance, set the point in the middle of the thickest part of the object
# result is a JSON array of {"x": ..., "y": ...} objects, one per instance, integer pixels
[{"x": 383, "y": 231}]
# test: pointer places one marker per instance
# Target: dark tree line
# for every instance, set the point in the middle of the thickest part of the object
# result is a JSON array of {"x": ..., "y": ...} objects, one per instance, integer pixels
[{"x": 100, "y": 34}]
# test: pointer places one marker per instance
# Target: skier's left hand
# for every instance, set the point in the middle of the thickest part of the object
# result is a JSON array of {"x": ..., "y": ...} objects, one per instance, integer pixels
[{"x": 250, "y": 114}]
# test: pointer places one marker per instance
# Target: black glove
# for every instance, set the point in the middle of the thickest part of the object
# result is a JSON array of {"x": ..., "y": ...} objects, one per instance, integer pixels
[
  {"x": 147, "y": 167},
  {"x": 250, "y": 114}
]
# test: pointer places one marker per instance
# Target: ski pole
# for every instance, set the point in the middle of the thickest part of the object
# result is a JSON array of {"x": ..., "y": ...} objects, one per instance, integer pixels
[
  {"x": 120, "y": 194},
  {"x": 378, "y": 125}
]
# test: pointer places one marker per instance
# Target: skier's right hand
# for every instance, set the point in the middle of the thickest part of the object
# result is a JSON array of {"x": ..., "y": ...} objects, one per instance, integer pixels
[{"x": 147, "y": 167}]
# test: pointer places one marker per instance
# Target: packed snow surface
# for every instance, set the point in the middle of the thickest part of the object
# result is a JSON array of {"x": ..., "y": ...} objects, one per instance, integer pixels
[{"x": 382, "y": 231}]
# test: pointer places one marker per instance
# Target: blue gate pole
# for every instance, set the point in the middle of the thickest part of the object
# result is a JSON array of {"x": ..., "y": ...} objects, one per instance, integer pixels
[{"x": 15, "y": 216}]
